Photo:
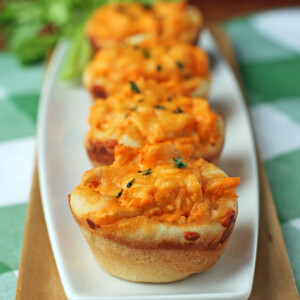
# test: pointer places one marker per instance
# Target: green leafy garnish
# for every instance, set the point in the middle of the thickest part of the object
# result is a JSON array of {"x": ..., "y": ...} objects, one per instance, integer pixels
[
  {"x": 158, "y": 68},
  {"x": 120, "y": 194},
  {"x": 146, "y": 53},
  {"x": 141, "y": 100},
  {"x": 179, "y": 64},
  {"x": 178, "y": 163},
  {"x": 178, "y": 111},
  {"x": 129, "y": 184},
  {"x": 134, "y": 108},
  {"x": 30, "y": 29},
  {"x": 134, "y": 87},
  {"x": 169, "y": 99},
  {"x": 159, "y": 107},
  {"x": 187, "y": 76},
  {"x": 146, "y": 172},
  {"x": 147, "y": 5},
  {"x": 79, "y": 54}
]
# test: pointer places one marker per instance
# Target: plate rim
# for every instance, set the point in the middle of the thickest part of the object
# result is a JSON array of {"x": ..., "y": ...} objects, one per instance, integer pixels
[{"x": 49, "y": 79}]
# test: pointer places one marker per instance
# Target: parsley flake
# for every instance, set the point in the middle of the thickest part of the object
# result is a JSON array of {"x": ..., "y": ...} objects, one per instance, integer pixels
[
  {"x": 141, "y": 100},
  {"x": 169, "y": 99},
  {"x": 129, "y": 184},
  {"x": 146, "y": 172},
  {"x": 178, "y": 163},
  {"x": 158, "y": 68},
  {"x": 134, "y": 87},
  {"x": 187, "y": 76},
  {"x": 120, "y": 194},
  {"x": 178, "y": 111},
  {"x": 146, "y": 53},
  {"x": 134, "y": 108},
  {"x": 179, "y": 64},
  {"x": 126, "y": 115},
  {"x": 147, "y": 5},
  {"x": 159, "y": 107}
]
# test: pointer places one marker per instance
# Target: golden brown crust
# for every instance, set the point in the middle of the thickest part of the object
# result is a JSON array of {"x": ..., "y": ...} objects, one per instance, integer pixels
[
  {"x": 166, "y": 264},
  {"x": 191, "y": 240},
  {"x": 147, "y": 262},
  {"x": 101, "y": 153}
]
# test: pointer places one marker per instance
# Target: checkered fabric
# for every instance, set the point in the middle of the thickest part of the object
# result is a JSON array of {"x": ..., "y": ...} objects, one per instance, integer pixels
[{"x": 268, "y": 51}]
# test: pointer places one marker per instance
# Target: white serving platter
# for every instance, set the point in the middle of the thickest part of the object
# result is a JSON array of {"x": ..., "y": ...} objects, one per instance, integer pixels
[{"x": 62, "y": 160}]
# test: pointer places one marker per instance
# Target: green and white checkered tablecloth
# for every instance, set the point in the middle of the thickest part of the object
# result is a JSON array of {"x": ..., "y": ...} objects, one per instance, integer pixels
[{"x": 268, "y": 50}]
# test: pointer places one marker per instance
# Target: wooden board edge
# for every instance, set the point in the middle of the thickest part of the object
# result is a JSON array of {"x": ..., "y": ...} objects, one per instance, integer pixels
[
  {"x": 270, "y": 234},
  {"x": 38, "y": 276}
]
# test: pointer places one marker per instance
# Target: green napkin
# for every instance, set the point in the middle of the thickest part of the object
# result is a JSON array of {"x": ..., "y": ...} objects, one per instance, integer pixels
[{"x": 268, "y": 51}]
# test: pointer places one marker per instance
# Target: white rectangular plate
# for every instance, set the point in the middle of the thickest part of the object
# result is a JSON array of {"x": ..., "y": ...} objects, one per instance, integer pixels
[{"x": 62, "y": 160}]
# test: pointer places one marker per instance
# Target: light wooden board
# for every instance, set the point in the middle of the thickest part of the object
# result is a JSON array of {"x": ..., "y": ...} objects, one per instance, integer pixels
[
  {"x": 39, "y": 279},
  {"x": 38, "y": 276}
]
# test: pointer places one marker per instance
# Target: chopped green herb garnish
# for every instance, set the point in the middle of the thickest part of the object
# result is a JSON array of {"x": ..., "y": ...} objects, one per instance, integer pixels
[
  {"x": 159, "y": 107},
  {"x": 158, "y": 68},
  {"x": 126, "y": 115},
  {"x": 120, "y": 194},
  {"x": 134, "y": 108},
  {"x": 146, "y": 53},
  {"x": 178, "y": 111},
  {"x": 179, "y": 64},
  {"x": 169, "y": 99},
  {"x": 129, "y": 184},
  {"x": 141, "y": 100},
  {"x": 178, "y": 163},
  {"x": 134, "y": 87},
  {"x": 147, "y": 5},
  {"x": 146, "y": 172},
  {"x": 187, "y": 76}
]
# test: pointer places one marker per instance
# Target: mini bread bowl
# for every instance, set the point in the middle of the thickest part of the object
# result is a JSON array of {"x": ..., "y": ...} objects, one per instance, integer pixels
[
  {"x": 154, "y": 216},
  {"x": 179, "y": 67},
  {"x": 144, "y": 112},
  {"x": 135, "y": 23}
]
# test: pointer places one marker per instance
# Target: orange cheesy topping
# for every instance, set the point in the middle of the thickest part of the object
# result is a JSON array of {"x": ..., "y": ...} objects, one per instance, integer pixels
[
  {"x": 181, "y": 68},
  {"x": 152, "y": 184},
  {"x": 117, "y": 23},
  {"x": 145, "y": 113}
]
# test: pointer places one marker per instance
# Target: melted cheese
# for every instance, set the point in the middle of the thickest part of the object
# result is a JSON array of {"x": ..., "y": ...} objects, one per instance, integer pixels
[
  {"x": 196, "y": 194},
  {"x": 151, "y": 116},
  {"x": 181, "y": 68},
  {"x": 134, "y": 23}
]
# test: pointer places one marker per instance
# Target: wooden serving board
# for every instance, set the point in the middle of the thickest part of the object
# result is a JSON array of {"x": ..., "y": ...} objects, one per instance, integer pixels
[{"x": 39, "y": 278}]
